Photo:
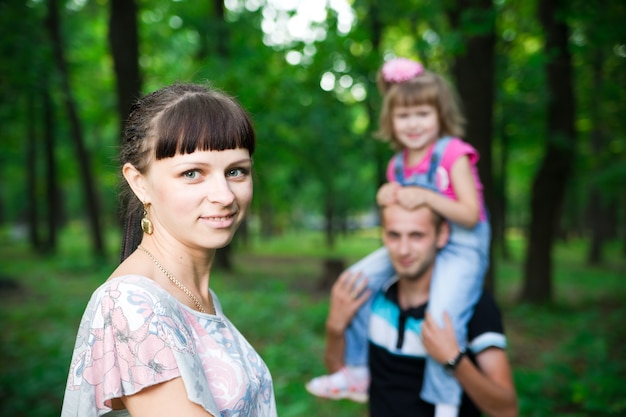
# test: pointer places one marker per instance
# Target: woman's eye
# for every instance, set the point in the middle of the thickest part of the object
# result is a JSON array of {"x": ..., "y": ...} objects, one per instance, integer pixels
[
  {"x": 192, "y": 175},
  {"x": 237, "y": 172}
]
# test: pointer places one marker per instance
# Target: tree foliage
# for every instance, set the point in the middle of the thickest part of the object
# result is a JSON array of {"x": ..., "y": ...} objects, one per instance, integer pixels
[{"x": 311, "y": 92}]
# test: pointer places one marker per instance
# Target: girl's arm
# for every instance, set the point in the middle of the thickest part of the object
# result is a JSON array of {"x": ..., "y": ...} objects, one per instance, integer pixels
[
  {"x": 464, "y": 211},
  {"x": 386, "y": 194}
]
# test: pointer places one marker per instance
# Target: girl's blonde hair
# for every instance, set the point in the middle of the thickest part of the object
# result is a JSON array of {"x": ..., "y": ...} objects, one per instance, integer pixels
[{"x": 425, "y": 88}]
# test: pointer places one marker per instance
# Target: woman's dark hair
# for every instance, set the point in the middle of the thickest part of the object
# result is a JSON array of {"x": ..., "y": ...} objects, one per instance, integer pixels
[{"x": 177, "y": 119}]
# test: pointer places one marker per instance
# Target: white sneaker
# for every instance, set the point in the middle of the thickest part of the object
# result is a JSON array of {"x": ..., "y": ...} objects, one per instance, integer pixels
[{"x": 348, "y": 383}]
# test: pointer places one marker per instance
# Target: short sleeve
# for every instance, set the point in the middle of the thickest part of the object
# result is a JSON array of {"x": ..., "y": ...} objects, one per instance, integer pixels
[
  {"x": 457, "y": 148},
  {"x": 485, "y": 329},
  {"x": 130, "y": 338}
]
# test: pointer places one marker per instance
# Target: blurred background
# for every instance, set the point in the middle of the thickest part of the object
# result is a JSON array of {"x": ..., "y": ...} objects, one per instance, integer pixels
[{"x": 543, "y": 84}]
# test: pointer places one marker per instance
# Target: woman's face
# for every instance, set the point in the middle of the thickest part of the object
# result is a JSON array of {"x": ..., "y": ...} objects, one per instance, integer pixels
[{"x": 200, "y": 199}]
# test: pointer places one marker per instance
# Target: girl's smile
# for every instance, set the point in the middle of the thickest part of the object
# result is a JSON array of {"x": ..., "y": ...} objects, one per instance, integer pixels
[{"x": 416, "y": 126}]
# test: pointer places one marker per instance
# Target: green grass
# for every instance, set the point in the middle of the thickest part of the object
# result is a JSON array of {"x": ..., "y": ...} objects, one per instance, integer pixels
[{"x": 569, "y": 356}]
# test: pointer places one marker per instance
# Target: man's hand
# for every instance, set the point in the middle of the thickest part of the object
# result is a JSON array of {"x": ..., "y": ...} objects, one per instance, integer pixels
[
  {"x": 346, "y": 296},
  {"x": 386, "y": 194},
  {"x": 440, "y": 343},
  {"x": 489, "y": 383}
]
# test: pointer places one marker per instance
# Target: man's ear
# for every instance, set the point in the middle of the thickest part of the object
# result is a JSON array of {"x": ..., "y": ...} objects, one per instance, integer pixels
[
  {"x": 136, "y": 181},
  {"x": 443, "y": 235}
]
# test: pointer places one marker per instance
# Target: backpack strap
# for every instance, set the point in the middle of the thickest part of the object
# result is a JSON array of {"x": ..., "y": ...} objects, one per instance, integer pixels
[
  {"x": 435, "y": 159},
  {"x": 398, "y": 165}
]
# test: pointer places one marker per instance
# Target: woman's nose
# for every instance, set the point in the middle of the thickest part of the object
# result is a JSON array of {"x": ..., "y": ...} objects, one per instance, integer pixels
[{"x": 219, "y": 192}]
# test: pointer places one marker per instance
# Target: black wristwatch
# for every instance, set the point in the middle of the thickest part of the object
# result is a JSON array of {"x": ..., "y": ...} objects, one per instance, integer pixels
[{"x": 451, "y": 365}]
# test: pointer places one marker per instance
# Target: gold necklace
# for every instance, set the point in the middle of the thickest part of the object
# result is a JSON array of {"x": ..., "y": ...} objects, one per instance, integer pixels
[{"x": 175, "y": 281}]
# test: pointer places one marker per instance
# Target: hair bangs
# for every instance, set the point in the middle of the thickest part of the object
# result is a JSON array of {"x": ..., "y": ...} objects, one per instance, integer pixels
[
  {"x": 203, "y": 122},
  {"x": 414, "y": 93}
]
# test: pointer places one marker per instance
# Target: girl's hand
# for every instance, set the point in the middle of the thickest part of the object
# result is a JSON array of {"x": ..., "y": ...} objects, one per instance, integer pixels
[
  {"x": 439, "y": 342},
  {"x": 411, "y": 197},
  {"x": 386, "y": 194}
]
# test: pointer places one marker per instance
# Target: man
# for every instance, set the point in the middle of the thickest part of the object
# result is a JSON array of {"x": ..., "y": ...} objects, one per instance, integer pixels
[{"x": 401, "y": 334}]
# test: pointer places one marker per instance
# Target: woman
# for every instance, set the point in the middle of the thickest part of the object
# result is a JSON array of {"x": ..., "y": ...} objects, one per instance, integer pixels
[{"x": 153, "y": 340}]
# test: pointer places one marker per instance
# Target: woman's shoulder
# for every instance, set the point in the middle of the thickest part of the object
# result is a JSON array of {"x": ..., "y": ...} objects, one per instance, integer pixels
[
  {"x": 130, "y": 291},
  {"x": 132, "y": 335},
  {"x": 124, "y": 284},
  {"x": 131, "y": 294}
]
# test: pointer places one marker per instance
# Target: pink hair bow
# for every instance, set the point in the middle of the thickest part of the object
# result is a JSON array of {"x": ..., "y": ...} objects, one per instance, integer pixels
[{"x": 398, "y": 70}]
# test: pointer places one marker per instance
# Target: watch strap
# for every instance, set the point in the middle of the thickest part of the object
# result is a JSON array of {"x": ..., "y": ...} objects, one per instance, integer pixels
[{"x": 452, "y": 364}]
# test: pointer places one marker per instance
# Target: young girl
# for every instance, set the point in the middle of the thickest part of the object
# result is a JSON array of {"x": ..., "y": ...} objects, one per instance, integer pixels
[{"x": 421, "y": 118}]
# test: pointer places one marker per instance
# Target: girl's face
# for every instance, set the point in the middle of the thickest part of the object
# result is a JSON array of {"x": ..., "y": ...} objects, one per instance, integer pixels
[
  {"x": 415, "y": 126},
  {"x": 200, "y": 198}
]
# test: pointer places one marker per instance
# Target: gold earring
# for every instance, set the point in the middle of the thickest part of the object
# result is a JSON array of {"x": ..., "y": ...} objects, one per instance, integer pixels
[{"x": 146, "y": 224}]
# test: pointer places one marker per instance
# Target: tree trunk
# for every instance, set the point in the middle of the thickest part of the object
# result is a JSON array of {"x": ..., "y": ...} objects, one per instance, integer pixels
[
  {"x": 124, "y": 44},
  {"x": 213, "y": 33},
  {"x": 554, "y": 172},
  {"x": 623, "y": 199},
  {"x": 31, "y": 176},
  {"x": 329, "y": 220},
  {"x": 474, "y": 73},
  {"x": 223, "y": 258},
  {"x": 243, "y": 233},
  {"x": 597, "y": 212},
  {"x": 267, "y": 219},
  {"x": 596, "y": 215},
  {"x": 2, "y": 209},
  {"x": 380, "y": 149},
  {"x": 82, "y": 156},
  {"x": 501, "y": 199},
  {"x": 221, "y": 29},
  {"x": 221, "y": 42},
  {"x": 52, "y": 187},
  {"x": 332, "y": 268},
  {"x": 500, "y": 178}
]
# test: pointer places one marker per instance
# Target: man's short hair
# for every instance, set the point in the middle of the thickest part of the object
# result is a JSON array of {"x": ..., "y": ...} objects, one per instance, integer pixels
[{"x": 436, "y": 218}]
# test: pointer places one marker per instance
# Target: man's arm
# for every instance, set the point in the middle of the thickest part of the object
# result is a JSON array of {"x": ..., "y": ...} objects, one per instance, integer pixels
[
  {"x": 346, "y": 296},
  {"x": 490, "y": 385}
]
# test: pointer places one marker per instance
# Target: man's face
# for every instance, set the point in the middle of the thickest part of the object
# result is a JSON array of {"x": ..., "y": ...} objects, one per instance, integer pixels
[{"x": 412, "y": 240}]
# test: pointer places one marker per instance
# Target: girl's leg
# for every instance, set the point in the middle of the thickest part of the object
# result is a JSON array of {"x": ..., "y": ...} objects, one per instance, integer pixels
[
  {"x": 352, "y": 381},
  {"x": 455, "y": 288},
  {"x": 377, "y": 269}
]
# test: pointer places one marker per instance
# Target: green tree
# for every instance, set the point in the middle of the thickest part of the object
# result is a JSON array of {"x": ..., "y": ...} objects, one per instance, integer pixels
[
  {"x": 475, "y": 20},
  {"x": 53, "y": 24},
  {"x": 555, "y": 169},
  {"x": 124, "y": 45}
]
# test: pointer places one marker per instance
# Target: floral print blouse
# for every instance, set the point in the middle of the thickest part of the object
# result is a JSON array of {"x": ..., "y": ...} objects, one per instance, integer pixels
[{"x": 134, "y": 334}]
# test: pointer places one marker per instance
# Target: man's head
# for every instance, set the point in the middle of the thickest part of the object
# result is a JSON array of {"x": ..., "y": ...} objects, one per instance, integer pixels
[{"x": 413, "y": 238}]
